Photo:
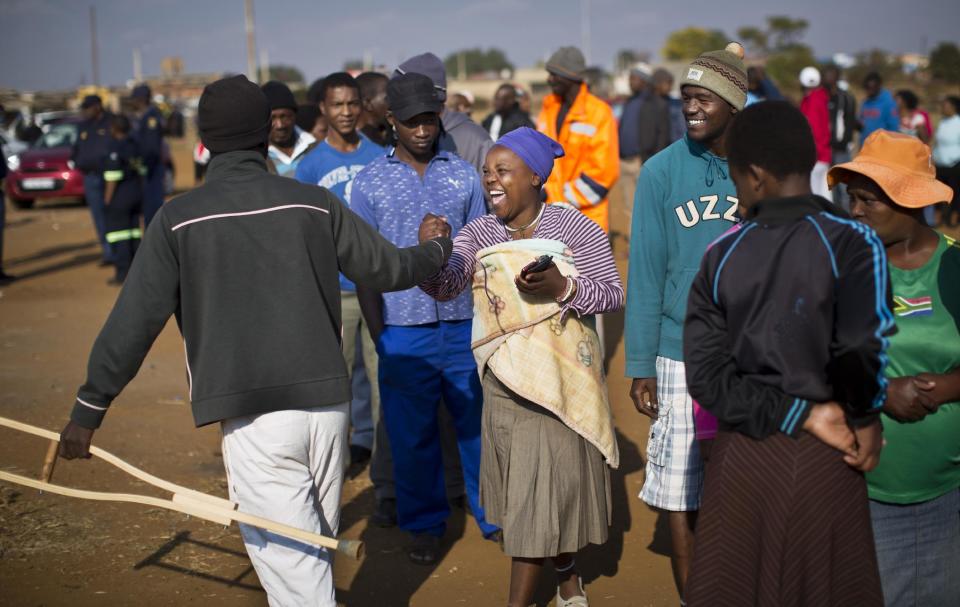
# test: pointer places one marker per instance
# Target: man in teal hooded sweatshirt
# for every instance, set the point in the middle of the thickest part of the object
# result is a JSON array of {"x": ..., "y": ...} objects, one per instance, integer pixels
[{"x": 685, "y": 199}]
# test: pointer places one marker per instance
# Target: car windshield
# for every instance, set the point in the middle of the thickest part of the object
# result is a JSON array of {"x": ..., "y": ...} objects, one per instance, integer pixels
[{"x": 59, "y": 135}]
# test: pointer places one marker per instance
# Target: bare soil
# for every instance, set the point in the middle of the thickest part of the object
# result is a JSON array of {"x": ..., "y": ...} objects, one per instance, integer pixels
[{"x": 60, "y": 551}]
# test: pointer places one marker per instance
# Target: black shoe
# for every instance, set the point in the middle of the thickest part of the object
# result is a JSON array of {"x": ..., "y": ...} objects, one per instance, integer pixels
[
  {"x": 359, "y": 455},
  {"x": 386, "y": 513},
  {"x": 5, "y": 278},
  {"x": 115, "y": 282},
  {"x": 496, "y": 537},
  {"x": 425, "y": 549}
]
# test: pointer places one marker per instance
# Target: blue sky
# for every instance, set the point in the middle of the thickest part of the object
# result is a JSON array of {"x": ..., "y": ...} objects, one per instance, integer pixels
[{"x": 45, "y": 43}]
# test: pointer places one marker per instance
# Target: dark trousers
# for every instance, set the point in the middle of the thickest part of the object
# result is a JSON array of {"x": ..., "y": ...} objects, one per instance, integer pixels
[
  {"x": 950, "y": 214},
  {"x": 152, "y": 193},
  {"x": 93, "y": 193},
  {"x": 123, "y": 227}
]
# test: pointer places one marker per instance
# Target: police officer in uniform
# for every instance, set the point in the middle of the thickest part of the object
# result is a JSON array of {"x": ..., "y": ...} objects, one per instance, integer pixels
[
  {"x": 89, "y": 154},
  {"x": 149, "y": 138},
  {"x": 123, "y": 175}
]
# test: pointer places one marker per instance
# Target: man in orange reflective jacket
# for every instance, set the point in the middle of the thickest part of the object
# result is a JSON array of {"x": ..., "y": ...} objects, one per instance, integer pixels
[{"x": 584, "y": 125}]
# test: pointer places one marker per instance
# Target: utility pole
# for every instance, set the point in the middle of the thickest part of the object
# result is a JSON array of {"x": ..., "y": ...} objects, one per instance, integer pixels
[
  {"x": 137, "y": 66},
  {"x": 251, "y": 43},
  {"x": 94, "y": 53},
  {"x": 585, "y": 29},
  {"x": 264, "y": 65}
]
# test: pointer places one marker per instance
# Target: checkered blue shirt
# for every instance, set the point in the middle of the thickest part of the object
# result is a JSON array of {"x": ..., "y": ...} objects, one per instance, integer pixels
[{"x": 390, "y": 195}]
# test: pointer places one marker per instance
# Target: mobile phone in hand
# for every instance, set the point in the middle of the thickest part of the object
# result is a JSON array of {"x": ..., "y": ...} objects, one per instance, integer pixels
[{"x": 537, "y": 265}]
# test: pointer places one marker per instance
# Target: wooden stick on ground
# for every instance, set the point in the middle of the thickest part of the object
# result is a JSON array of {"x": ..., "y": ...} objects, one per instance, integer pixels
[{"x": 187, "y": 501}]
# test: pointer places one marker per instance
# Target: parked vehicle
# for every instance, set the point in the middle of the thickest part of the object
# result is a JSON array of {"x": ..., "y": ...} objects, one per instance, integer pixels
[{"x": 45, "y": 170}]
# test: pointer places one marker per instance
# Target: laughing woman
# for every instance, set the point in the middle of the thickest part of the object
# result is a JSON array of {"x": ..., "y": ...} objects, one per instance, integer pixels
[{"x": 547, "y": 427}]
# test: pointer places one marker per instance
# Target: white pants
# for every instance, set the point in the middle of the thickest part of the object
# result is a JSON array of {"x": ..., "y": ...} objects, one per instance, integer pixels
[
  {"x": 288, "y": 466},
  {"x": 818, "y": 180}
]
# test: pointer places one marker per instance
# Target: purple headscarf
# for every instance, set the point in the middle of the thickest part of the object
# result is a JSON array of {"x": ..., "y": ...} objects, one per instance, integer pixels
[{"x": 535, "y": 149}]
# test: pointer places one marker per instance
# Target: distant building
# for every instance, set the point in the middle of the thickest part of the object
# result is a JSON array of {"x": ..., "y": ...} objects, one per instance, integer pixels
[{"x": 913, "y": 62}]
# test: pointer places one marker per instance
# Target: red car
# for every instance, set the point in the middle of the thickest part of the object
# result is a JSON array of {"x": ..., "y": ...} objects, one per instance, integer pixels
[{"x": 45, "y": 170}]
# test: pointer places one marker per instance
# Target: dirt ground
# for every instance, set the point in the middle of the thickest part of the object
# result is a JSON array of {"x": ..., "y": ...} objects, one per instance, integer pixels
[{"x": 60, "y": 551}]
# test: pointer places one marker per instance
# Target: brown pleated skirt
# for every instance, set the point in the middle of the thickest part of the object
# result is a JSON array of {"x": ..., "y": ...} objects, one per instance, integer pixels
[
  {"x": 783, "y": 522},
  {"x": 546, "y": 487}
]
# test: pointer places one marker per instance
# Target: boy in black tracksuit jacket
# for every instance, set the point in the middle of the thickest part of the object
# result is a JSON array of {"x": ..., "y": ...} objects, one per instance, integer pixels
[
  {"x": 123, "y": 196},
  {"x": 784, "y": 341}
]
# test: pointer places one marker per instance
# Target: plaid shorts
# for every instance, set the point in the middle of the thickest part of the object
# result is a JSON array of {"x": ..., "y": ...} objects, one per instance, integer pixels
[{"x": 674, "y": 472}]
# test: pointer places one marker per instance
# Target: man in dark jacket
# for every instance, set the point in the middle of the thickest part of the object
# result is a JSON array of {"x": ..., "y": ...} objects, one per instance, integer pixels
[
  {"x": 506, "y": 115},
  {"x": 843, "y": 123},
  {"x": 89, "y": 154},
  {"x": 249, "y": 263}
]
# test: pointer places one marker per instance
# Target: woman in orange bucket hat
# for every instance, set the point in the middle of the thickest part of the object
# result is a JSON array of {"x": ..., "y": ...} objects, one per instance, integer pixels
[{"x": 915, "y": 490}]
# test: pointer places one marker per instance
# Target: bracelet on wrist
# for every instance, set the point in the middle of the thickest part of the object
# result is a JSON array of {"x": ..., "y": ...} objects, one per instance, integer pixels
[{"x": 568, "y": 292}]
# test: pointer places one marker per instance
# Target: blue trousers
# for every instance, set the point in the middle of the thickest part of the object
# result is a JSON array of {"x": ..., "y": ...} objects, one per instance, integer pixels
[
  {"x": 918, "y": 551},
  {"x": 418, "y": 365},
  {"x": 93, "y": 192},
  {"x": 152, "y": 193}
]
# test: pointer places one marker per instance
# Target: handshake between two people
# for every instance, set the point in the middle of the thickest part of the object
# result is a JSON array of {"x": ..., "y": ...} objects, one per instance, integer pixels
[{"x": 540, "y": 277}]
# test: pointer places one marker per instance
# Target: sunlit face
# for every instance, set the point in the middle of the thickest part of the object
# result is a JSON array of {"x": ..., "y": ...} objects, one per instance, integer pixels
[
  {"x": 706, "y": 114},
  {"x": 505, "y": 99},
  {"x": 341, "y": 107},
  {"x": 870, "y": 205},
  {"x": 509, "y": 185},
  {"x": 89, "y": 113},
  {"x": 748, "y": 189},
  {"x": 418, "y": 133},
  {"x": 637, "y": 84},
  {"x": 282, "y": 123},
  {"x": 559, "y": 85},
  {"x": 377, "y": 103}
]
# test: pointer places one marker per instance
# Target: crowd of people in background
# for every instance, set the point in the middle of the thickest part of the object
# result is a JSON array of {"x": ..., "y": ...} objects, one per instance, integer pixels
[{"x": 767, "y": 241}]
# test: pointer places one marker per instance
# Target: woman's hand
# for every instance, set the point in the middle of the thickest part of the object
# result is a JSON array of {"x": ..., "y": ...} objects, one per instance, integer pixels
[
  {"x": 434, "y": 226},
  {"x": 869, "y": 444},
  {"x": 904, "y": 400},
  {"x": 828, "y": 423},
  {"x": 548, "y": 283}
]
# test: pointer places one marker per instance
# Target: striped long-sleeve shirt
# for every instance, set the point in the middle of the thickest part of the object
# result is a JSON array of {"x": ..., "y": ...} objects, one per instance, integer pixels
[{"x": 598, "y": 286}]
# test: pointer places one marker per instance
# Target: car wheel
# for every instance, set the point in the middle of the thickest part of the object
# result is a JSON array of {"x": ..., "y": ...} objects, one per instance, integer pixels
[{"x": 21, "y": 203}]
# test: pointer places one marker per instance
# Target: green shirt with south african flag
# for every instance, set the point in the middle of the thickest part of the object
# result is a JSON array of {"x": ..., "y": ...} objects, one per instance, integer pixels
[{"x": 921, "y": 460}]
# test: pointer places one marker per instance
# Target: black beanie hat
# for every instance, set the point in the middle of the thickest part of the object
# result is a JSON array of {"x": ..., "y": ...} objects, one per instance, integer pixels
[
  {"x": 233, "y": 114},
  {"x": 279, "y": 95}
]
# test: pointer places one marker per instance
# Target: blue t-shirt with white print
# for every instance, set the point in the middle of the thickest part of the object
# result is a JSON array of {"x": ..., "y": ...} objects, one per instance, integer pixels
[{"x": 330, "y": 168}]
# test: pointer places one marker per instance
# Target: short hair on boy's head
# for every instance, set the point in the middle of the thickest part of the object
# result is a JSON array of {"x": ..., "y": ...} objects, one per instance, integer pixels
[
  {"x": 313, "y": 93},
  {"x": 121, "y": 124},
  {"x": 910, "y": 98},
  {"x": 337, "y": 80},
  {"x": 368, "y": 83},
  {"x": 955, "y": 102},
  {"x": 873, "y": 77},
  {"x": 772, "y": 135}
]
